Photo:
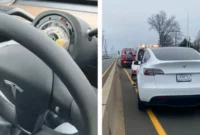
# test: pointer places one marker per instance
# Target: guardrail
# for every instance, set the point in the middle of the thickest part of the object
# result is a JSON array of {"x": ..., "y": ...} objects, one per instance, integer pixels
[{"x": 112, "y": 108}]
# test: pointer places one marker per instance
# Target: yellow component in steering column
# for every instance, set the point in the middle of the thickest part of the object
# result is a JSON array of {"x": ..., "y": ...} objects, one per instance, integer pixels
[{"x": 60, "y": 42}]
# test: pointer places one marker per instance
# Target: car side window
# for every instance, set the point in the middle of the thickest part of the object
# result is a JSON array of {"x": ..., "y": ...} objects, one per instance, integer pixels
[
  {"x": 146, "y": 57},
  {"x": 140, "y": 55}
]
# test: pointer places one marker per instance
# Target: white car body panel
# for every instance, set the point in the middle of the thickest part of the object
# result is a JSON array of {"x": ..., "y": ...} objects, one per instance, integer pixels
[
  {"x": 135, "y": 67},
  {"x": 166, "y": 84}
]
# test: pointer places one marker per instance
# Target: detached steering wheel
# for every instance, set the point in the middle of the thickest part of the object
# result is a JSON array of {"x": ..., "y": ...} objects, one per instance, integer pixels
[{"x": 61, "y": 64}]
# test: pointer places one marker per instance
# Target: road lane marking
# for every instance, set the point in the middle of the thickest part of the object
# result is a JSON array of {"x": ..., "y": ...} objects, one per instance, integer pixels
[
  {"x": 107, "y": 69},
  {"x": 156, "y": 123},
  {"x": 153, "y": 118},
  {"x": 129, "y": 77}
]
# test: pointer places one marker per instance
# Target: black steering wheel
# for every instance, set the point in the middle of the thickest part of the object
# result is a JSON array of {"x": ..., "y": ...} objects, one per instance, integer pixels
[{"x": 62, "y": 65}]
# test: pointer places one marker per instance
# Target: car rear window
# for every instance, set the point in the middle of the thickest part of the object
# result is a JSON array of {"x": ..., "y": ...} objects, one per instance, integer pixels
[
  {"x": 128, "y": 51},
  {"x": 166, "y": 54}
]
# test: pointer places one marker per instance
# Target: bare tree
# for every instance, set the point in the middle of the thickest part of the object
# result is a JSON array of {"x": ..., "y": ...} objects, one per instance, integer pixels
[
  {"x": 198, "y": 35},
  {"x": 197, "y": 41},
  {"x": 168, "y": 29}
]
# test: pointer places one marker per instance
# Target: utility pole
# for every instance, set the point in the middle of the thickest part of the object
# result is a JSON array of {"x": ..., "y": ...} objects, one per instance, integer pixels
[
  {"x": 103, "y": 38},
  {"x": 104, "y": 44},
  {"x": 111, "y": 50},
  {"x": 187, "y": 29},
  {"x": 189, "y": 42},
  {"x": 105, "y": 47}
]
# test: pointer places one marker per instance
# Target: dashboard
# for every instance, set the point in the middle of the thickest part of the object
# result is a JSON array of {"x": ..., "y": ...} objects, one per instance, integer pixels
[{"x": 72, "y": 30}]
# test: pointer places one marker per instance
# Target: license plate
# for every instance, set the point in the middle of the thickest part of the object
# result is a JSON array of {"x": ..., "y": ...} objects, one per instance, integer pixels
[{"x": 184, "y": 78}]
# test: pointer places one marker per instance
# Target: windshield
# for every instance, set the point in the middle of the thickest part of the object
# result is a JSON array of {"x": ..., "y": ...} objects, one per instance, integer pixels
[{"x": 128, "y": 52}]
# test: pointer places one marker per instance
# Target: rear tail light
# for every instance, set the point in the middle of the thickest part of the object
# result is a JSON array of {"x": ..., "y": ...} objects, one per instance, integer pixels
[
  {"x": 133, "y": 71},
  {"x": 152, "y": 71}
]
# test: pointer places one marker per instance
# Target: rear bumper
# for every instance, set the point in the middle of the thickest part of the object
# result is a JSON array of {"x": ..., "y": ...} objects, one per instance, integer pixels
[
  {"x": 133, "y": 72},
  {"x": 126, "y": 62},
  {"x": 176, "y": 101},
  {"x": 170, "y": 96}
]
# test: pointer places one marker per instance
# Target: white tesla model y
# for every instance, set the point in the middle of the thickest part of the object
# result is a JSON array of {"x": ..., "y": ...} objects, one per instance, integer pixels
[{"x": 169, "y": 76}]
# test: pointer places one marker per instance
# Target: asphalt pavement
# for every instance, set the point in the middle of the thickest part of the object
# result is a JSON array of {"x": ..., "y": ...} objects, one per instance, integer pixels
[
  {"x": 157, "y": 120},
  {"x": 106, "y": 63}
]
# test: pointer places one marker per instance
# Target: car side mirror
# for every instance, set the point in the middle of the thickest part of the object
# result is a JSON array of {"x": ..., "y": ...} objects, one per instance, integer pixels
[{"x": 137, "y": 63}]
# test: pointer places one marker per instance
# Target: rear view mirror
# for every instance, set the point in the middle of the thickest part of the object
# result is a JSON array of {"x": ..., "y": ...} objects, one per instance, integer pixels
[{"x": 119, "y": 52}]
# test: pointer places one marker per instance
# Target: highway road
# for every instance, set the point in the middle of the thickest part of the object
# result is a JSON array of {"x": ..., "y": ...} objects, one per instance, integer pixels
[
  {"x": 155, "y": 120},
  {"x": 106, "y": 63}
]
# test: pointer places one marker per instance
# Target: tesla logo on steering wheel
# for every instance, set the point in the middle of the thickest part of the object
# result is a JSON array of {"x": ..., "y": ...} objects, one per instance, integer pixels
[{"x": 14, "y": 87}]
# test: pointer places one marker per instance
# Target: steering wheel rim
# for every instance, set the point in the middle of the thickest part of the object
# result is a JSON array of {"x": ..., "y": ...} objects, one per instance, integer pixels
[{"x": 53, "y": 55}]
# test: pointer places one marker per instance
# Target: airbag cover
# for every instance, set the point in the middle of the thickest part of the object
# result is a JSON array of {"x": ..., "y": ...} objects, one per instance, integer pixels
[{"x": 23, "y": 68}]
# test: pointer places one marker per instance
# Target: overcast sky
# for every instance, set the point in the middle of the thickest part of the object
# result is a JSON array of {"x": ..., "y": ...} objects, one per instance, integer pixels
[{"x": 125, "y": 22}]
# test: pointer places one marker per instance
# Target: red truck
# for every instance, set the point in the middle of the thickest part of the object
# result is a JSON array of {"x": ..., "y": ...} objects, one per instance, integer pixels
[{"x": 127, "y": 56}]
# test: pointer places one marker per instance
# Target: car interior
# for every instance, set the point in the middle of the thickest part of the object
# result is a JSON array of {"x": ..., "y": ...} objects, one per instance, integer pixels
[{"x": 48, "y": 67}]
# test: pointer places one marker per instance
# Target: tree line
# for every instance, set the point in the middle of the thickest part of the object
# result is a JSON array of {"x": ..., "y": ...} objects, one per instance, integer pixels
[{"x": 169, "y": 31}]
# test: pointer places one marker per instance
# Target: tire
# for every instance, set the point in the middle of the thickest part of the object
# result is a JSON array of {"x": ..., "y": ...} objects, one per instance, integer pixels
[{"x": 141, "y": 105}]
